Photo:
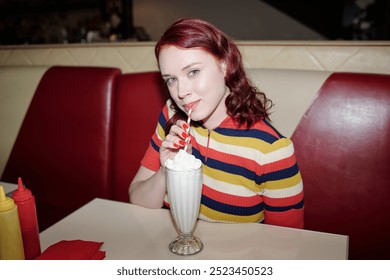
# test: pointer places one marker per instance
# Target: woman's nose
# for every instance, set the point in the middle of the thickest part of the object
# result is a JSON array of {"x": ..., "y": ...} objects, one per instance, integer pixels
[{"x": 183, "y": 89}]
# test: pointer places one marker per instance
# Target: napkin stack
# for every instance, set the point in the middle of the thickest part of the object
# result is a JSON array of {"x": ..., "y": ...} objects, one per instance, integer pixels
[{"x": 73, "y": 250}]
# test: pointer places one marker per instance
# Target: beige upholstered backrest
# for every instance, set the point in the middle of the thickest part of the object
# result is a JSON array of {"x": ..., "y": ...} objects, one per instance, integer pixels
[
  {"x": 18, "y": 85},
  {"x": 292, "y": 92}
]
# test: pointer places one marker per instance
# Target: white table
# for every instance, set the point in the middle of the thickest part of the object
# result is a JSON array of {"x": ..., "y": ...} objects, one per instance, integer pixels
[
  {"x": 133, "y": 232},
  {"x": 8, "y": 188}
]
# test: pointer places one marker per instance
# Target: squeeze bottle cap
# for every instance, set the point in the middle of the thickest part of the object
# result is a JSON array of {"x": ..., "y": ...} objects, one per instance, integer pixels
[
  {"x": 6, "y": 203},
  {"x": 21, "y": 193}
]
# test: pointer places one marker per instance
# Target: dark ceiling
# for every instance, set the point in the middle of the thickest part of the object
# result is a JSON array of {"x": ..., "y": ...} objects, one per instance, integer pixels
[
  {"x": 340, "y": 19},
  {"x": 29, "y": 21}
]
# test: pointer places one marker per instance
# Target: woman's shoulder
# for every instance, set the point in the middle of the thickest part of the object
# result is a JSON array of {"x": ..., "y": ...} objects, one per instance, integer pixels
[
  {"x": 261, "y": 130},
  {"x": 167, "y": 111},
  {"x": 268, "y": 127},
  {"x": 271, "y": 139}
]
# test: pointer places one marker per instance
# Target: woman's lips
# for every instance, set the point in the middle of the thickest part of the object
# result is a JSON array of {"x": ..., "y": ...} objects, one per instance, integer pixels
[{"x": 191, "y": 105}]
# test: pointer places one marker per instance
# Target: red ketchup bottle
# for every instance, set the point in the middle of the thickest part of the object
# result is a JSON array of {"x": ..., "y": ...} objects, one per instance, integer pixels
[{"x": 28, "y": 221}]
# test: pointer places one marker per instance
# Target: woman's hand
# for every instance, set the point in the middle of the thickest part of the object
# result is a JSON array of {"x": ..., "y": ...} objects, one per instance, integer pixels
[{"x": 177, "y": 138}]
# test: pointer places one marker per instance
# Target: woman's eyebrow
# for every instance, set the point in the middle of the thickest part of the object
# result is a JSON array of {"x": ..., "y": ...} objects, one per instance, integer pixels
[
  {"x": 183, "y": 69},
  {"x": 189, "y": 66}
]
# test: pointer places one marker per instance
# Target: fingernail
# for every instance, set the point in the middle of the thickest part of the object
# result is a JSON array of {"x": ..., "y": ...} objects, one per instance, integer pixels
[
  {"x": 185, "y": 126},
  {"x": 176, "y": 146},
  {"x": 181, "y": 142},
  {"x": 184, "y": 135}
]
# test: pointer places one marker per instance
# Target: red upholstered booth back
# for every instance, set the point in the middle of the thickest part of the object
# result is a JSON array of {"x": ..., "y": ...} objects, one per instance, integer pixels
[
  {"x": 62, "y": 151},
  {"x": 343, "y": 150},
  {"x": 139, "y": 100}
]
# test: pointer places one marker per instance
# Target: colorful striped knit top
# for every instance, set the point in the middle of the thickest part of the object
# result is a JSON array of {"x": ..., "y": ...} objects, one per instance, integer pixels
[{"x": 249, "y": 175}]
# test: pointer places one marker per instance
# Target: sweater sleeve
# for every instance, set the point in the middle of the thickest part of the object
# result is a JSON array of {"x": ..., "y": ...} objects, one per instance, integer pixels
[
  {"x": 151, "y": 159},
  {"x": 283, "y": 188}
]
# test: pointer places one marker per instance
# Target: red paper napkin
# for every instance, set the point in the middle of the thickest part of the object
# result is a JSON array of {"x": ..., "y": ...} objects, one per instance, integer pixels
[{"x": 73, "y": 250}]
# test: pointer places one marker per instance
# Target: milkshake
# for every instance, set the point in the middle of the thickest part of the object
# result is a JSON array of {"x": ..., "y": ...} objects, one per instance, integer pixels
[{"x": 184, "y": 188}]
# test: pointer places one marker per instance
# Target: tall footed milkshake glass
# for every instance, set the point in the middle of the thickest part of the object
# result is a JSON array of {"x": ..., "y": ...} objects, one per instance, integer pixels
[{"x": 184, "y": 188}]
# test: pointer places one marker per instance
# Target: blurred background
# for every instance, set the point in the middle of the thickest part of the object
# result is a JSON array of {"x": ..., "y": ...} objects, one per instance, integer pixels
[{"x": 90, "y": 21}]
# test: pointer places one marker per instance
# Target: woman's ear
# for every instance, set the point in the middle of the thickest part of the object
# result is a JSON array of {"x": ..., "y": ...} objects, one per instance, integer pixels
[{"x": 223, "y": 67}]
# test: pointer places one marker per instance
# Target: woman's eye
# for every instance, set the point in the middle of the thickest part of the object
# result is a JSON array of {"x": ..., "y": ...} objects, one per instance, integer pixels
[
  {"x": 193, "y": 73},
  {"x": 169, "y": 81}
]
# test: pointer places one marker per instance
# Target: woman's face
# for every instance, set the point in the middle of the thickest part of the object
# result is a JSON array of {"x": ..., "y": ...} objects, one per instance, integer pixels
[{"x": 196, "y": 80}]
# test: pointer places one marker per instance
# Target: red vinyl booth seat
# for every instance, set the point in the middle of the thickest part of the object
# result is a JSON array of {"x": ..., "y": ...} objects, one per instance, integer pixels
[
  {"x": 62, "y": 151},
  {"x": 343, "y": 150}
]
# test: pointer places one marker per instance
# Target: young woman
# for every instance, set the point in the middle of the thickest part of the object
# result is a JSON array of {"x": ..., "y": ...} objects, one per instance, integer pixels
[{"x": 250, "y": 173}]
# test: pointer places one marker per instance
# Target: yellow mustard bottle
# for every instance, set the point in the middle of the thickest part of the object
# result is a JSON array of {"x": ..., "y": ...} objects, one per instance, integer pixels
[{"x": 11, "y": 242}]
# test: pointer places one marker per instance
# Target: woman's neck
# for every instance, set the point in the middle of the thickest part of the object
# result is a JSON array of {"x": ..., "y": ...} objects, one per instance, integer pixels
[{"x": 218, "y": 116}]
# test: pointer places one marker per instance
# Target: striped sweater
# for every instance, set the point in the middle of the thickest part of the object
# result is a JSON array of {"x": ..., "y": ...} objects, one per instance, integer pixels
[{"x": 249, "y": 175}]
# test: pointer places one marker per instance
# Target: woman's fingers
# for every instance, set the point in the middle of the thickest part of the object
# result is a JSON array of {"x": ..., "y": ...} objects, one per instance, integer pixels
[
  {"x": 177, "y": 138},
  {"x": 183, "y": 125},
  {"x": 173, "y": 142},
  {"x": 179, "y": 130}
]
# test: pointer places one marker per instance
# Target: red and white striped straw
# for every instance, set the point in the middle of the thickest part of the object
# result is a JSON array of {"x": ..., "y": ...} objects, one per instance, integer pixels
[
  {"x": 189, "y": 119},
  {"x": 188, "y": 129}
]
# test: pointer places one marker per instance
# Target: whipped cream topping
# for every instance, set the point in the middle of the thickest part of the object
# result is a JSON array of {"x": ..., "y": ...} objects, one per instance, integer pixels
[{"x": 183, "y": 161}]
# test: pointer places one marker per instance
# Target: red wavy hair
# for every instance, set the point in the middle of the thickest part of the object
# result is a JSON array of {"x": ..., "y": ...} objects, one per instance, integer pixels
[{"x": 245, "y": 103}]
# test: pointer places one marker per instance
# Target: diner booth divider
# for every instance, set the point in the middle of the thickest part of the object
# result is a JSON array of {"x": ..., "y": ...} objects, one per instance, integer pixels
[
  {"x": 343, "y": 149},
  {"x": 87, "y": 129},
  {"x": 63, "y": 149},
  {"x": 139, "y": 100}
]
